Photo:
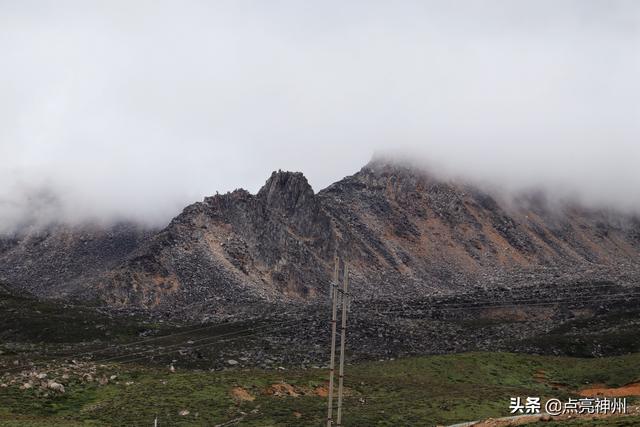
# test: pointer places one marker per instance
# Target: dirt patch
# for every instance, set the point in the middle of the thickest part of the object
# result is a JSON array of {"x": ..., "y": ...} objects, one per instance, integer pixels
[
  {"x": 281, "y": 390},
  {"x": 626, "y": 390},
  {"x": 540, "y": 376},
  {"x": 242, "y": 395},
  {"x": 287, "y": 390},
  {"x": 321, "y": 390}
]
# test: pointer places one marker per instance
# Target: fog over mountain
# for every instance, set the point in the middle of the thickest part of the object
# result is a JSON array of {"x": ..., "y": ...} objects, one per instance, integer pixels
[{"x": 120, "y": 110}]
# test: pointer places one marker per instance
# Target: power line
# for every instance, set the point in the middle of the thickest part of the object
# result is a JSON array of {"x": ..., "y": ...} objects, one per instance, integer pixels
[
  {"x": 290, "y": 322},
  {"x": 53, "y": 360},
  {"x": 283, "y": 324},
  {"x": 519, "y": 291},
  {"x": 436, "y": 303},
  {"x": 408, "y": 310},
  {"x": 205, "y": 344},
  {"x": 513, "y": 303}
]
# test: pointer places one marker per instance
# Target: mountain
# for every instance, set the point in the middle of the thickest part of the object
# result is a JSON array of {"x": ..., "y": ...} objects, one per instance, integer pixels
[{"x": 404, "y": 233}]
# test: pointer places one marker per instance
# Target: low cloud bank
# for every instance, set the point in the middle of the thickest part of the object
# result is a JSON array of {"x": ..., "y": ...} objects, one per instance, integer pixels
[{"x": 119, "y": 111}]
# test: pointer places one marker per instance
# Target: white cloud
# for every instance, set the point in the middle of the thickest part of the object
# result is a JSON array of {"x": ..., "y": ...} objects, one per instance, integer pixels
[{"x": 132, "y": 110}]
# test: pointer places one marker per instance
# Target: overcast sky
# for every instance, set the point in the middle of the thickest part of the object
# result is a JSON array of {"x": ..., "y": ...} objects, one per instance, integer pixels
[{"x": 134, "y": 109}]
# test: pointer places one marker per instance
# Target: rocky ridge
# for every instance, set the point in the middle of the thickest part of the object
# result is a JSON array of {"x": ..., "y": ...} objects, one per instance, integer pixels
[{"x": 406, "y": 234}]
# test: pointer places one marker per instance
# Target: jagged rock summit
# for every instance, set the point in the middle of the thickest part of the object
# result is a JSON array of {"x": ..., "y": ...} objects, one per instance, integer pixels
[{"x": 403, "y": 232}]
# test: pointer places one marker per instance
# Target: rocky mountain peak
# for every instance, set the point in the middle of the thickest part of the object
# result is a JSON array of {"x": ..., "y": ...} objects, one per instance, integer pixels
[{"x": 287, "y": 192}]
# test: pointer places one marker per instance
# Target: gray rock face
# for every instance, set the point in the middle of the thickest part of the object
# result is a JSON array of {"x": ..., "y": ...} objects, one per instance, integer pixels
[
  {"x": 404, "y": 233},
  {"x": 60, "y": 261}
]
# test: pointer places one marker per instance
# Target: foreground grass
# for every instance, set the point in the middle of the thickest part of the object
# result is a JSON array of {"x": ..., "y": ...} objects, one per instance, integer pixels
[{"x": 410, "y": 392}]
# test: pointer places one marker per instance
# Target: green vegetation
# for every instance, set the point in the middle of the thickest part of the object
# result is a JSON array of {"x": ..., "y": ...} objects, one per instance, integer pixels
[
  {"x": 418, "y": 391},
  {"x": 409, "y": 392}
]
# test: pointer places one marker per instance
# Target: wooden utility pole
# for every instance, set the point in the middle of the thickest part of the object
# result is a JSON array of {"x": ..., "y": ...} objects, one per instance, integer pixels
[
  {"x": 343, "y": 337},
  {"x": 333, "y": 292}
]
